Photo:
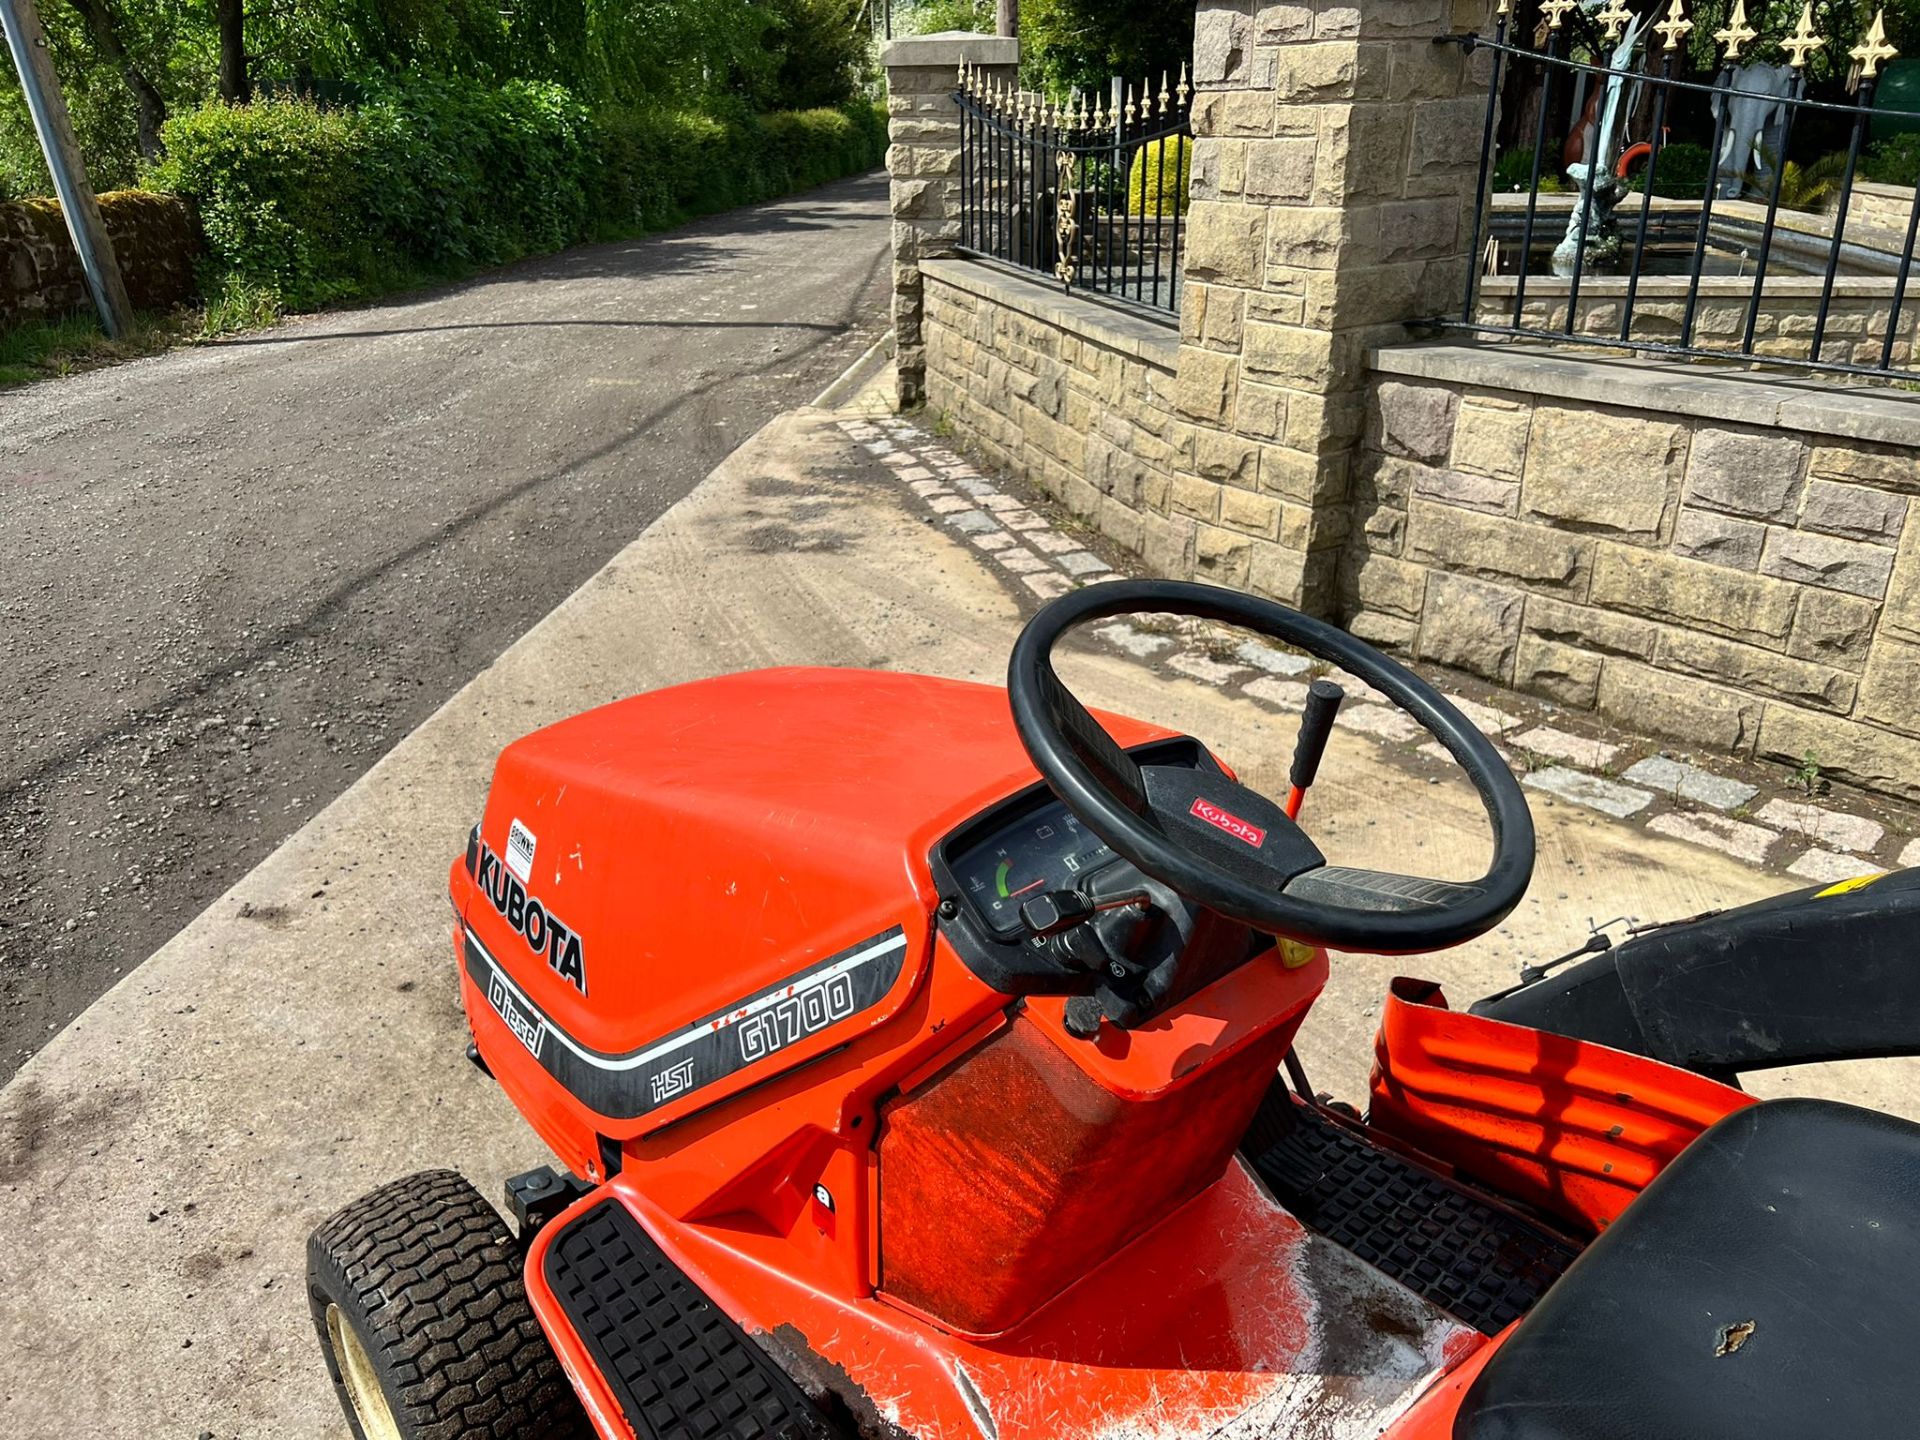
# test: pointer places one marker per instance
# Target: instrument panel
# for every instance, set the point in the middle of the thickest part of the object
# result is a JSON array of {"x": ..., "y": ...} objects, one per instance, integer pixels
[{"x": 1041, "y": 850}]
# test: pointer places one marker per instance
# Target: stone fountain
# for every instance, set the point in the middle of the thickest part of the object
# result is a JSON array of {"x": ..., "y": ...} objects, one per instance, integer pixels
[{"x": 1598, "y": 190}]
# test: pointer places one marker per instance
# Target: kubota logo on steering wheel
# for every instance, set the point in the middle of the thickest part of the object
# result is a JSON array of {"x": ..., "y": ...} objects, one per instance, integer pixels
[{"x": 1232, "y": 824}]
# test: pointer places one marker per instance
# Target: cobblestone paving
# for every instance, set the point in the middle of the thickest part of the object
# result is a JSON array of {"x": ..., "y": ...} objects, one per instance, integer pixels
[{"x": 1632, "y": 780}]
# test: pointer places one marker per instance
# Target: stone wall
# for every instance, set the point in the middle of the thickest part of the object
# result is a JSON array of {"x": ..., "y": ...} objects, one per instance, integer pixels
[
  {"x": 1728, "y": 559},
  {"x": 154, "y": 237},
  {"x": 1073, "y": 394},
  {"x": 923, "y": 168}
]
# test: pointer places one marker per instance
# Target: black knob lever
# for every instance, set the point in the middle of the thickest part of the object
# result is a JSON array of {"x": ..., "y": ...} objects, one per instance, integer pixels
[
  {"x": 1055, "y": 911},
  {"x": 1324, "y": 699}
]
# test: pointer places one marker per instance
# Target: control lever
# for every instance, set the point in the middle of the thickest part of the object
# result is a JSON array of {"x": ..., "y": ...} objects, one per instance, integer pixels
[
  {"x": 1058, "y": 911},
  {"x": 1324, "y": 699}
]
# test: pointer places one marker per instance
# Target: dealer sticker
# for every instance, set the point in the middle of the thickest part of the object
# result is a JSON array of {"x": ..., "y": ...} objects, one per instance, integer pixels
[{"x": 519, "y": 857}]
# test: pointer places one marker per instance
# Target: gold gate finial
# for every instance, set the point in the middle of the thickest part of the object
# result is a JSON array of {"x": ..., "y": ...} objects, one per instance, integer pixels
[
  {"x": 1676, "y": 27},
  {"x": 1737, "y": 32},
  {"x": 1803, "y": 39},
  {"x": 1614, "y": 18},
  {"x": 1872, "y": 50}
]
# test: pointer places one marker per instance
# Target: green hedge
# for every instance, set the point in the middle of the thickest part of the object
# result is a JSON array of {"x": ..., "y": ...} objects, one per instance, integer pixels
[{"x": 441, "y": 177}]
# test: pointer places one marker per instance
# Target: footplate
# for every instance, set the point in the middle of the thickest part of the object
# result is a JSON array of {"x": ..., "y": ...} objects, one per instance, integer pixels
[
  {"x": 1482, "y": 1264},
  {"x": 679, "y": 1366}
]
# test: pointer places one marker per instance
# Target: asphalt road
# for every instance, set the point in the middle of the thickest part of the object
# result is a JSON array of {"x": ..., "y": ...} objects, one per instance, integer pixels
[{"x": 232, "y": 577}]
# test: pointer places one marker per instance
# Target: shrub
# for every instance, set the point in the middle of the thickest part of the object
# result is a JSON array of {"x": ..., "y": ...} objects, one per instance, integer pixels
[
  {"x": 1681, "y": 173},
  {"x": 1893, "y": 162},
  {"x": 310, "y": 205},
  {"x": 1157, "y": 183}
]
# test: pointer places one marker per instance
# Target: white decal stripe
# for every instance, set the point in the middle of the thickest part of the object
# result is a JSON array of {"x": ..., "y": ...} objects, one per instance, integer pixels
[{"x": 702, "y": 1028}]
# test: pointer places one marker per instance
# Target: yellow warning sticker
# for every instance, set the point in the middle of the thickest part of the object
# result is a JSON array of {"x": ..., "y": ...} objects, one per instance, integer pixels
[{"x": 1847, "y": 887}]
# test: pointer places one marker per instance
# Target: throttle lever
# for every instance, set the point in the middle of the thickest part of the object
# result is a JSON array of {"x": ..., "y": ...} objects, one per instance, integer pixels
[{"x": 1324, "y": 698}]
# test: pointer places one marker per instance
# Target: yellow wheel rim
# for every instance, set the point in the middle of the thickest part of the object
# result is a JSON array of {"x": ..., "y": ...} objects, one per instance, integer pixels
[{"x": 370, "y": 1406}]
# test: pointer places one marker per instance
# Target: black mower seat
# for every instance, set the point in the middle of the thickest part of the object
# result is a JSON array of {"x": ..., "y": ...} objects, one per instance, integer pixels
[{"x": 1765, "y": 1287}]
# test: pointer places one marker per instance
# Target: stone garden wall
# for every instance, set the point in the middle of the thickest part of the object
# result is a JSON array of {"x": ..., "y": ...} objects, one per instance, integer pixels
[
  {"x": 1075, "y": 395},
  {"x": 1719, "y": 556},
  {"x": 154, "y": 237},
  {"x": 1728, "y": 559}
]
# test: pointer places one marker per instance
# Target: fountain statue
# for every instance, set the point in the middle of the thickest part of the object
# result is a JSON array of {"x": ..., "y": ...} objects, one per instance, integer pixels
[
  {"x": 1753, "y": 116},
  {"x": 1596, "y": 143}
]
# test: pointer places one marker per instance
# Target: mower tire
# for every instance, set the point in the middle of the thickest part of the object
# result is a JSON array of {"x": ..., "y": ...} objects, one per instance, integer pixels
[{"x": 422, "y": 1313}]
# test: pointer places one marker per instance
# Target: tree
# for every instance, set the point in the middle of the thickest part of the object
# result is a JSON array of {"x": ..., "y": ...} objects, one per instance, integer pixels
[
  {"x": 230, "y": 17},
  {"x": 1082, "y": 44},
  {"x": 104, "y": 26}
]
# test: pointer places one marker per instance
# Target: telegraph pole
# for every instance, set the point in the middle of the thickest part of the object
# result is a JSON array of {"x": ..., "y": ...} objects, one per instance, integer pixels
[{"x": 27, "y": 39}]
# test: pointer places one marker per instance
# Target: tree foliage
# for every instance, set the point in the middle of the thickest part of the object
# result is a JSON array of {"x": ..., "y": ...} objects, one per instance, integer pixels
[
  {"x": 1079, "y": 44},
  {"x": 127, "y": 65}
]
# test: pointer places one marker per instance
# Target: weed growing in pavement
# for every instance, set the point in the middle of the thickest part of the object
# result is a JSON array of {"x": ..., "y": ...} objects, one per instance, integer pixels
[{"x": 1806, "y": 777}]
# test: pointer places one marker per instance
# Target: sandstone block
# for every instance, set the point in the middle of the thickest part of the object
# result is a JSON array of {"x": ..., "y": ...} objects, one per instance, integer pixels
[
  {"x": 1413, "y": 421},
  {"x": 1874, "y": 464},
  {"x": 1890, "y": 694},
  {"x": 1206, "y": 384},
  {"x": 1832, "y": 628},
  {"x": 1490, "y": 547},
  {"x": 1848, "y": 751},
  {"x": 1702, "y": 714},
  {"x": 1223, "y": 556},
  {"x": 1261, "y": 410},
  {"x": 1282, "y": 24},
  {"x": 1307, "y": 237},
  {"x": 1225, "y": 243},
  {"x": 1386, "y": 632},
  {"x": 1706, "y": 597},
  {"x": 1281, "y": 170},
  {"x": 1559, "y": 672},
  {"x": 1472, "y": 492},
  {"x": 1378, "y": 582},
  {"x": 1588, "y": 628},
  {"x": 1195, "y": 497},
  {"x": 1491, "y": 441},
  {"x": 1835, "y": 564},
  {"x": 1601, "y": 470},
  {"x": 1719, "y": 539},
  {"x": 1799, "y": 681},
  {"x": 1471, "y": 625},
  {"x": 1300, "y": 358},
  {"x": 1254, "y": 514},
  {"x": 1746, "y": 472},
  {"x": 1855, "y": 512},
  {"x": 1902, "y": 615},
  {"x": 1222, "y": 44}
]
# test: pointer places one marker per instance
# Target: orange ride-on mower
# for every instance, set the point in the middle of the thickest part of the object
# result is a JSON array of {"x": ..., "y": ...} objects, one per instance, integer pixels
[{"x": 924, "y": 1069}]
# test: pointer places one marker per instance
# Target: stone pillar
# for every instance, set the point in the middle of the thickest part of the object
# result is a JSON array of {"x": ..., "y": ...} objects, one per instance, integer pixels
[
  {"x": 1335, "y": 157},
  {"x": 923, "y": 165}
]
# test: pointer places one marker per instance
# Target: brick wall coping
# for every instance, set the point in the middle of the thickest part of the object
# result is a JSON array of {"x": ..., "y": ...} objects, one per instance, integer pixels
[
  {"x": 1154, "y": 342},
  {"x": 950, "y": 47},
  {"x": 1855, "y": 413}
]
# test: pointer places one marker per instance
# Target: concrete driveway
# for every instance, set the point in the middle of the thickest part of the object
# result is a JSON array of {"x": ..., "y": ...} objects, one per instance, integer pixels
[
  {"x": 162, "y": 1159},
  {"x": 236, "y": 575}
]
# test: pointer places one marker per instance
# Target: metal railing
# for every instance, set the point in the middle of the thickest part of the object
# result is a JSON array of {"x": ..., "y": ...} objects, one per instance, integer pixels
[
  {"x": 1092, "y": 195},
  {"x": 1706, "y": 273}
]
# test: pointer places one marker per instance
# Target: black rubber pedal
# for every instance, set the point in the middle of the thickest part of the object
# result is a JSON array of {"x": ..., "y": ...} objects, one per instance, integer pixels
[
  {"x": 679, "y": 1366},
  {"x": 1480, "y": 1263}
]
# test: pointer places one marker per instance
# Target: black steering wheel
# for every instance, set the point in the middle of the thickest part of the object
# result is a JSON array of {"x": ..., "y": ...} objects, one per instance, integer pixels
[{"x": 1220, "y": 844}]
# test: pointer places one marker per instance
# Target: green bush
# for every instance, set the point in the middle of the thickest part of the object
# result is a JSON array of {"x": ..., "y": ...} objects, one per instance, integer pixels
[
  {"x": 1157, "y": 184},
  {"x": 1893, "y": 162},
  {"x": 312, "y": 205},
  {"x": 1681, "y": 173}
]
